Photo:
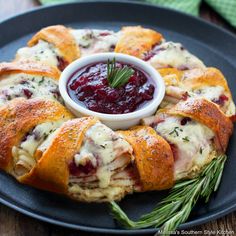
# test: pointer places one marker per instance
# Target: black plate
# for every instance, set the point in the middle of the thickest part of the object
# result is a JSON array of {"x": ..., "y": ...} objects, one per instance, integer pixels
[{"x": 215, "y": 46}]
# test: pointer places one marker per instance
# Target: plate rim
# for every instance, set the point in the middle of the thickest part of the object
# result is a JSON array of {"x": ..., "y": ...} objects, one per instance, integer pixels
[{"x": 29, "y": 212}]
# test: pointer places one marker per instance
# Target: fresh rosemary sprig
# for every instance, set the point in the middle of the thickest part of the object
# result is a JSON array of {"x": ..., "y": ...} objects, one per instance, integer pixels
[
  {"x": 176, "y": 207},
  {"x": 118, "y": 76}
]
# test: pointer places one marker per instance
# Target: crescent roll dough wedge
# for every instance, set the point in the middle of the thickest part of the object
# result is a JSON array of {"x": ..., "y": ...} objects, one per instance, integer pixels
[
  {"x": 153, "y": 158},
  {"x": 136, "y": 41},
  {"x": 196, "y": 130},
  {"x": 25, "y": 124},
  {"x": 53, "y": 45},
  {"x": 208, "y": 83},
  {"x": 86, "y": 161},
  {"x": 28, "y": 80}
]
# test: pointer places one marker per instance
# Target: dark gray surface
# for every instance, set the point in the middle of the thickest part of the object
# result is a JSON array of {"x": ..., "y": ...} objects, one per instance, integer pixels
[{"x": 213, "y": 45}]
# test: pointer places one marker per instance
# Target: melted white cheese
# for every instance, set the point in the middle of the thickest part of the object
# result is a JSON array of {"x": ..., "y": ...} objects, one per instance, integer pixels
[
  {"x": 39, "y": 134},
  {"x": 101, "y": 145},
  {"x": 42, "y": 51},
  {"x": 14, "y": 85},
  {"x": 211, "y": 93},
  {"x": 170, "y": 54},
  {"x": 192, "y": 140},
  {"x": 95, "y": 41},
  {"x": 46, "y": 143},
  {"x": 24, "y": 154}
]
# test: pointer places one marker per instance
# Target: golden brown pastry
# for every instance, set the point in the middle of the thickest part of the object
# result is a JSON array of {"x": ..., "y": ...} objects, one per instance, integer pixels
[
  {"x": 25, "y": 124},
  {"x": 153, "y": 158},
  {"x": 53, "y": 45},
  {"x": 28, "y": 80},
  {"x": 136, "y": 41},
  {"x": 27, "y": 67}
]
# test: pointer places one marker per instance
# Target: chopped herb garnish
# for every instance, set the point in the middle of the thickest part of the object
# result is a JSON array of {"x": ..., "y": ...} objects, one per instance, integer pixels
[
  {"x": 41, "y": 81},
  {"x": 201, "y": 150},
  {"x": 186, "y": 139},
  {"x": 175, "y": 131},
  {"x": 118, "y": 76}
]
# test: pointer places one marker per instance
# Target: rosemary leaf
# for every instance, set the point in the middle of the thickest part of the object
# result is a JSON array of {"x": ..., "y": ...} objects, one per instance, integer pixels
[
  {"x": 117, "y": 77},
  {"x": 176, "y": 207}
]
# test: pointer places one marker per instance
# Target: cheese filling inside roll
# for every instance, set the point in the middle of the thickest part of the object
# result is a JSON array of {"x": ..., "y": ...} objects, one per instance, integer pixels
[
  {"x": 54, "y": 46},
  {"x": 42, "y": 52},
  {"x": 170, "y": 54},
  {"x": 208, "y": 83},
  {"x": 191, "y": 143},
  {"x": 33, "y": 144},
  {"x": 27, "y": 86},
  {"x": 95, "y": 41},
  {"x": 100, "y": 171}
]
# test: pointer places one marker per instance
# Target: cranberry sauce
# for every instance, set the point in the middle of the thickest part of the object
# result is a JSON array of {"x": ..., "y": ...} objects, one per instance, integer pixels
[{"x": 90, "y": 87}]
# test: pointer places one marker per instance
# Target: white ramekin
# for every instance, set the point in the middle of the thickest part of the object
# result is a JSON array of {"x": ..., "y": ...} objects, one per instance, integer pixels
[{"x": 114, "y": 121}]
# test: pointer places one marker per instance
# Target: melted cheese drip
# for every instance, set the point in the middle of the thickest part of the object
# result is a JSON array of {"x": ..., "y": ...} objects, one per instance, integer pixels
[
  {"x": 95, "y": 41},
  {"x": 193, "y": 141},
  {"x": 42, "y": 51},
  {"x": 170, "y": 54},
  {"x": 102, "y": 143},
  {"x": 13, "y": 86}
]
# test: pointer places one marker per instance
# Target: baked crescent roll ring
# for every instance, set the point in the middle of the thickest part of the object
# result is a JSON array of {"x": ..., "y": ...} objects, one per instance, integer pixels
[
  {"x": 25, "y": 125},
  {"x": 87, "y": 161},
  {"x": 28, "y": 80},
  {"x": 153, "y": 158},
  {"x": 53, "y": 45},
  {"x": 136, "y": 41},
  {"x": 210, "y": 115}
]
